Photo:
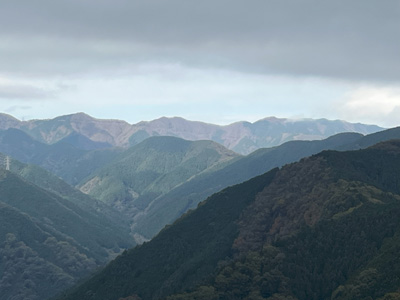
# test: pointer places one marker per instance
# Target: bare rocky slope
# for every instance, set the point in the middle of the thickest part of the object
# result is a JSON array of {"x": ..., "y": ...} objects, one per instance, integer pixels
[{"x": 86, "y": 132}]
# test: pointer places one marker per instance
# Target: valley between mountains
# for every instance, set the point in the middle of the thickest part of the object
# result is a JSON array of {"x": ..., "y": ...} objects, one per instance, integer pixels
[{"x": 189, "y": 210}]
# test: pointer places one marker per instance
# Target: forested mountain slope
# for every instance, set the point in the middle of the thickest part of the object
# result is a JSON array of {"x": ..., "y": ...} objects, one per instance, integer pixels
[
  {"x": 62, "y": 159},
  {"x": 186, "y": 196},
  {"x": 48, "y": 242},
  {"x": 133, "y": 181},
  {"x": 173, "y": 204},
  {"x": 48, "y": 181},
  {"x": 326, "y": 227}
]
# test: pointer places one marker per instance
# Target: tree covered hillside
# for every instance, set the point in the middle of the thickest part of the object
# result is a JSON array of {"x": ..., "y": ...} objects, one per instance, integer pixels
[
  {"x": 173, "y": 204},
  {"x": 136, "y": 180},
  {"x": 47, "y": 242},
  {"x": 324, "y": 228},
  {"x": 62, "y": 159}
]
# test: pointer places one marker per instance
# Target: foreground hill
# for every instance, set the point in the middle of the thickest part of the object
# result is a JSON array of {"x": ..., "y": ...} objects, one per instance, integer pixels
[
  {"x": 85, "y": 132},
  {"x": 48, "y": 242},
  {"x": 324, "y": 228}
]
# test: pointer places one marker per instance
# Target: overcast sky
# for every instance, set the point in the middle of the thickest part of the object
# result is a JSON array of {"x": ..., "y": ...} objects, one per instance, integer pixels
[{"x": 217, "y": 61}]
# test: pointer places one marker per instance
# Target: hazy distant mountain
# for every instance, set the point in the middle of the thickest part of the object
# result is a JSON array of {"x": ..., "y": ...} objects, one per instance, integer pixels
[
  {"x": 62, "y": 159},
  {"x": 241, "y": 137},
  {"x": 106, "y": 132},
  {"x": 326, "y": 227},
  {"x": 47, "y": 241},
  {"x": 245, "y": 137}
]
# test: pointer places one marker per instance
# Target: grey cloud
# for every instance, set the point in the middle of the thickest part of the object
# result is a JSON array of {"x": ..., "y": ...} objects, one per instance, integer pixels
[
  {"x": 345, "y": 39},
  {"x": 15, "y": 108},
  {"x": 24, "y": 92}
]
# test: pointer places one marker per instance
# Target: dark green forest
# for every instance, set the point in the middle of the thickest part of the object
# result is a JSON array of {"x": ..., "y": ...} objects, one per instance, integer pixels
[
  {"x": 47, "y": 242},
  {"x": 53, "y": 234},
  {"x": 324, "y": 228}
]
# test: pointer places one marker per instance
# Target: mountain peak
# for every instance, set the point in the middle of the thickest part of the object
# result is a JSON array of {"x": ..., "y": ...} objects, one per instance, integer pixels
[
  {"x": 273, "y": 119},
  {"x": 8, "y": 121},
  {"x": 82, "y": 115},
  {"x": 7, "y": 116},
  {"x": 78, "y": 115}
]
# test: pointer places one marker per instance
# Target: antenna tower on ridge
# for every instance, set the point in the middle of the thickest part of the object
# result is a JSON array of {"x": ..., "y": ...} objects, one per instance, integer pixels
[{"x": 7, "y": 163}]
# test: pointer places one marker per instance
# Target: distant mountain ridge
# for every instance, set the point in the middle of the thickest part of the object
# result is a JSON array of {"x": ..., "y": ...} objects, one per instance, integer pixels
[
  {"x": 243, "y": 137},
  {"x": 114, "y": 175},
  {"x": 62, "y": 159}
]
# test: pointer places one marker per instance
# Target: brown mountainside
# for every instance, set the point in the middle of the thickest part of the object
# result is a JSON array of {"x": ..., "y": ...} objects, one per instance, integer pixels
[{"x": 241, "y": 137}]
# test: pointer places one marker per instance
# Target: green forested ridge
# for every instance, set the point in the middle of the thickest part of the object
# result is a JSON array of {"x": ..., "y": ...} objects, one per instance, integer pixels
[
  {"x": 31, "y": 266},
  {"x": 47, "y": 242},
  {"x": 372, "y": 139},
  {"x": 186, "y": 196},
  {"x": 48, "y": 181},
  {"x": 324, "y": 228},
  {"x": 135, "y": 180},
  {"x": 80, "y": 250},
  {"x": 62, "y": 159},
  {"x": 170, "y": 194},
  {"x": 82, "y": 142},
  {"x": 181, "y": 254}
]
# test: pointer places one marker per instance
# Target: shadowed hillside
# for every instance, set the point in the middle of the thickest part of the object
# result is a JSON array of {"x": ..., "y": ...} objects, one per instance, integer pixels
[
  {"x": 48, "y": 242},
  {"x": 326, "y": 227}
]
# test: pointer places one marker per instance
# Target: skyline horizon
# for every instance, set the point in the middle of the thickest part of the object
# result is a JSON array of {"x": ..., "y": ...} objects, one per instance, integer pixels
[
  {"x": 271, "y": 117},
  {"x": 218, "y": 62}
]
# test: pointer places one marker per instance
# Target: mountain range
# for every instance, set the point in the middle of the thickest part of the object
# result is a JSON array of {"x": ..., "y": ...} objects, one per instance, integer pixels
[
  {"x": 88, "y": 133},
  {"x": 154, "y": 210},
  {"x": 326, "y": 227},
  {"x": 159, "y": 179},
  {"x": 62, "y": 159},
  {"x": 112, "y": 193}
]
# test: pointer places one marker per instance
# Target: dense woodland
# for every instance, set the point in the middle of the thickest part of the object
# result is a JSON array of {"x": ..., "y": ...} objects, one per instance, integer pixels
[
  {"x": 324, "y": 228},
  {"x": 48, "y": 242}
]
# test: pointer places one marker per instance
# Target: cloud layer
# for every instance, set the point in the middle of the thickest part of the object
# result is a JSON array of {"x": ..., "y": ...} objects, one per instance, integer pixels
[
  {"x": 337, "y": 39},
  {"x": 216, "y": 61}
]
